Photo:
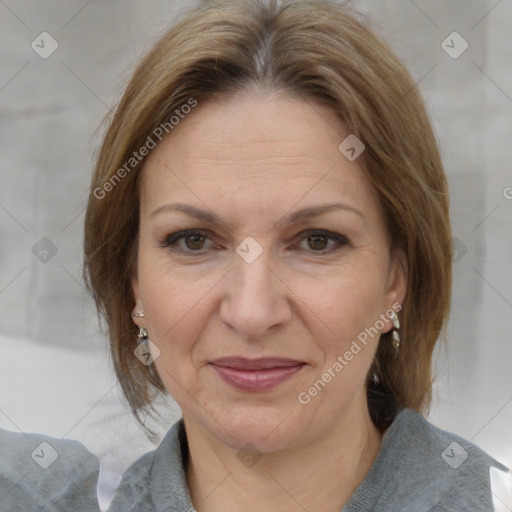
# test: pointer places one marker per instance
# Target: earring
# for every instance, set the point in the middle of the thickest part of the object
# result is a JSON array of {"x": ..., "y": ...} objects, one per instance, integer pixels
[
  {"x": 146, "y": 351},
  {"x": 138, "y": 315},
  {"x": 396, "y": 325}
]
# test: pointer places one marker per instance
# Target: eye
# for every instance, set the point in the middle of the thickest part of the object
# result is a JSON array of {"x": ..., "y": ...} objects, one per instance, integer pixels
[
  {"x": 320, "y": 241},
  {"x": 196, "y": 241},
  {"x": 187, "y": 241}
]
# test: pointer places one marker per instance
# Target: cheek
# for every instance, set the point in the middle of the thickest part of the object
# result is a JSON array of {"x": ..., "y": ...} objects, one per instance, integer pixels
[
  {"x": 176, "y": 317},
  {"x": 350, "y": 297},
  {"x": 343, "y": 327},
  {"x": 170, "y": 304},
  {"x": 177, "y": 306},
  {"x": 169, "y": 292},
  {"x": 346, "y": 309}
]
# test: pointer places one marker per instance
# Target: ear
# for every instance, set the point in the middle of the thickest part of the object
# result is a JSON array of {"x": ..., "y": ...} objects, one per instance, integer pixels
[
  {"x": 396, "y": 286},
  {"x": 138, "y": 308}
]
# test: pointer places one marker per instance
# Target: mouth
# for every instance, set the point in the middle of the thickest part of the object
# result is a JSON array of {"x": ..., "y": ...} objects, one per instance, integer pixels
[{"x": 256, "y": 374}]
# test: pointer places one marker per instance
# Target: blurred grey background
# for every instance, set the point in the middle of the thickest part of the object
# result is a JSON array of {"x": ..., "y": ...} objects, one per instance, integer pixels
[{"x": 55, "y": 376}]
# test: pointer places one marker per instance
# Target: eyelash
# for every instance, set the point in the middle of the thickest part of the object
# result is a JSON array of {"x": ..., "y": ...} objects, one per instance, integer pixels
[{"x": 170, "y": 241}]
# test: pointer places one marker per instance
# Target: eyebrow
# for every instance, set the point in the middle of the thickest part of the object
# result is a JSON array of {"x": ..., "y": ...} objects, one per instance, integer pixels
[{"x": 295, "y": 217}]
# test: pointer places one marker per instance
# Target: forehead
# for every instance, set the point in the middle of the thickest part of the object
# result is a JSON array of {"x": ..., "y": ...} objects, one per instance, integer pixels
[
  {"x": 255, "y": 126},
  {"x": 264, "y": 145}
]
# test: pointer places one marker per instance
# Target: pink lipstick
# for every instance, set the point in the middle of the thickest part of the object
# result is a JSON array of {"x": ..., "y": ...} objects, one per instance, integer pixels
[{"x": 255, "y": 374}]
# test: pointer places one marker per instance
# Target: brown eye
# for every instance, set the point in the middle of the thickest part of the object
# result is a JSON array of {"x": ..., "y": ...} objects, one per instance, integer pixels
[
  {"x": 188, "y": 242},
  {"x": 194, "y": 242},
  {"x": 317, "y": 242},
  {"x": 322, "y": 242}
]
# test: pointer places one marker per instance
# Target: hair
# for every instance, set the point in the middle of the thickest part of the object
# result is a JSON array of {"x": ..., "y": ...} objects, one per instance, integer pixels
[{"x": 316, "y": 50}]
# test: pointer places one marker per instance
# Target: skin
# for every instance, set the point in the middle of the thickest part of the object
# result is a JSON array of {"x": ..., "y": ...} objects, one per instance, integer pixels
[{"x": 253, "y": 159}]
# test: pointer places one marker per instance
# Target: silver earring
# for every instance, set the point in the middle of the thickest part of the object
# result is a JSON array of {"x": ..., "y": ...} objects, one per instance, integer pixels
[
  {"x": 396, "y": 325},
  {"x": 143, "y": 334},
  {"x": 138, "y": 315},
  {"x": 146, "y": 352}
]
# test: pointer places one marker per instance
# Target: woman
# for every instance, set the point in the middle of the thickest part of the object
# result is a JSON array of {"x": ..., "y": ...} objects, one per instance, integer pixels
[{"x": 268, "y": 240}]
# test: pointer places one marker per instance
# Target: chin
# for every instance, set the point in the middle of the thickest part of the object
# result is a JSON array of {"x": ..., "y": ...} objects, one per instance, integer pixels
[{"x": 268, "y": 428}]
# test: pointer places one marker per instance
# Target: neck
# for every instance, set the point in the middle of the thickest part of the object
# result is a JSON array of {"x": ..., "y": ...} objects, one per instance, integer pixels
[{"x": 319, "y": 476}]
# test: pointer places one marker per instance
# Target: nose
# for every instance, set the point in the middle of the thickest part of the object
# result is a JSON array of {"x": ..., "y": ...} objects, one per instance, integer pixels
[{"x": 255, "y": 298}]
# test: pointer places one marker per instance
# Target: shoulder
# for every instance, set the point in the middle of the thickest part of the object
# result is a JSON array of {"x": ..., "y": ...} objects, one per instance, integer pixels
[
  {"x": 134, "y": 491},
  {"x": 157, "y": 480},
  {"x": 459, "y": 470},
  {"x": 440, "y": 448},
  {"x": 38, "y": 471},
  {"x": 426, "y": 468}
]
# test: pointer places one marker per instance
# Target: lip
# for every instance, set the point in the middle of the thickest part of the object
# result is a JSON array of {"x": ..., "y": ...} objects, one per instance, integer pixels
[{"x": 256, "y": 374}]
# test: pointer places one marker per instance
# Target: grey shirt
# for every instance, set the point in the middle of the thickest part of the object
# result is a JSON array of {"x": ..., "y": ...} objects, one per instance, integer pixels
[
  {"x": 42, "y": 474},
  {"x": 418, "y": 468}
]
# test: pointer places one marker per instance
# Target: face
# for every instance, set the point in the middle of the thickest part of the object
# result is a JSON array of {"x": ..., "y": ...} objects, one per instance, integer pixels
[{"x": 263, "y": 260}]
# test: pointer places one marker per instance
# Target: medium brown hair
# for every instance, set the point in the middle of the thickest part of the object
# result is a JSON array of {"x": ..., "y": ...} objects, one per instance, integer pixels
[{"x": 317, "y": 50}]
